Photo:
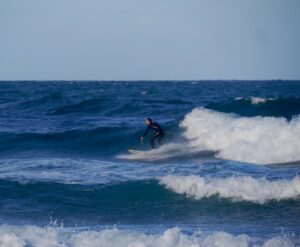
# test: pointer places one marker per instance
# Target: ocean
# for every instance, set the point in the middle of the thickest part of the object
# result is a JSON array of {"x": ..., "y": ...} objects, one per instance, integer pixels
[{"x": 226, "y": 175}]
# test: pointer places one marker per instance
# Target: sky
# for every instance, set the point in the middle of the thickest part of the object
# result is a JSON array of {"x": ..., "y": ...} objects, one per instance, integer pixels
[{"x": 149, "y": 40}]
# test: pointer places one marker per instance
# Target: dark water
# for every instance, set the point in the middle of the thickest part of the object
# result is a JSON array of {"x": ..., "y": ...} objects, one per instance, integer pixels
[{"x": 229, "y": 164}]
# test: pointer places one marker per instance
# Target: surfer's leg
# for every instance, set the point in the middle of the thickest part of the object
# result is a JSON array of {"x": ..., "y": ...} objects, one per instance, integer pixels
[
  {"x": 152, "y": 139},
  {"x": 160, "y": 137}
]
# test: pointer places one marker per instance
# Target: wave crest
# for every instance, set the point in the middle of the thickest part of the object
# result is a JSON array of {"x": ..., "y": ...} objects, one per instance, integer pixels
[
  {"x": 256, "y": 100},
  {"x": 243, "y": 188}
]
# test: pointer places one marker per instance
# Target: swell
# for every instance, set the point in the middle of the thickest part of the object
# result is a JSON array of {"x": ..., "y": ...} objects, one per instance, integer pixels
[
  {"x": 255, "y": 106},
  {"x": 105, "y": 140},
  {"x": 84, "y": 106},
  {"x": 132, "y": 202},
  {"x": 104, "y": 102},
  {"x": 107, "y": 106}
]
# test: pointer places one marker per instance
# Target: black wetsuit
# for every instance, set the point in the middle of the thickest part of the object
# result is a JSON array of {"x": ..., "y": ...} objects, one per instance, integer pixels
[{"x": 159, "y": 133}]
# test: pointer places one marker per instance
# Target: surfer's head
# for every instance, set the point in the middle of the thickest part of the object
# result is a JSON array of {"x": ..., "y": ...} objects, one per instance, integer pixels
[{"x": 148, "y": 121}]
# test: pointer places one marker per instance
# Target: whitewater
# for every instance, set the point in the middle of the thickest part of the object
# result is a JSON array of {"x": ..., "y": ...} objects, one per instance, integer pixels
[{"x": 260, "y": 140}]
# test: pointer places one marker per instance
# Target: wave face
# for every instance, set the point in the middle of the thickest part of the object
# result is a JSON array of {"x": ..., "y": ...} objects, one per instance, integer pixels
[
  {"x": 173, "y": 237},
  {"x": 261, "y": 140},
  {"x": 236, "y": 188}
]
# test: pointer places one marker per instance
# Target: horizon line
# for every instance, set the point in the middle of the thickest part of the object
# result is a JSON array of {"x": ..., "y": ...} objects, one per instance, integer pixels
[{"x": 139, "y": 80}]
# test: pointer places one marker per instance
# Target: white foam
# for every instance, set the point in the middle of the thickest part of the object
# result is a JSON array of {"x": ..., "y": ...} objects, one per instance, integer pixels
[
  {"x": 242, "y": 188},
  {"x": 166, "y": 151},
  {"x": 83, "y": 171},
  {"x": 19, "y": 236},
  {"x": 261, "y": 140},
  {"x": 256, "y": 100},
  {"x": 259, "y": 100}
]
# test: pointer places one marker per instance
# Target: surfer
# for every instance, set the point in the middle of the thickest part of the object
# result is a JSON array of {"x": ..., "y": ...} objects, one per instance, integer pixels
[{"x": 159, "y": 133}]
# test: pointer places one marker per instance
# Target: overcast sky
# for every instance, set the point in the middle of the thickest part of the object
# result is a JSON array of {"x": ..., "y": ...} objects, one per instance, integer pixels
[{"x": 157, "y": 39}]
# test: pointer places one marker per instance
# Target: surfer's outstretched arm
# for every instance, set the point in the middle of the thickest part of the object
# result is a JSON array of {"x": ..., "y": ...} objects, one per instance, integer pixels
[
  {"x": 147, "y": 130},
  {"x": 145, "y": 133}
]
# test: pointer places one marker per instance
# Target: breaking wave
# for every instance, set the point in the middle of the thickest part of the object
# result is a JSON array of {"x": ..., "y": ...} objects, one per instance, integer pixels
[
  {"x": 13, "y": 236},
  {"x": 243, "y": 188},
  {"x": 261, "y": 140}
]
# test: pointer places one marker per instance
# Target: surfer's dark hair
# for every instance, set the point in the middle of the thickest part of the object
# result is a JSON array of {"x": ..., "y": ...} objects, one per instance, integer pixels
[{"x": 149, "y": 119}]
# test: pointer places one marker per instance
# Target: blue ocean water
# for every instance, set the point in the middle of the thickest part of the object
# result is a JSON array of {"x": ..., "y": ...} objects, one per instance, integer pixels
[{"x": 227, "y": 173}]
